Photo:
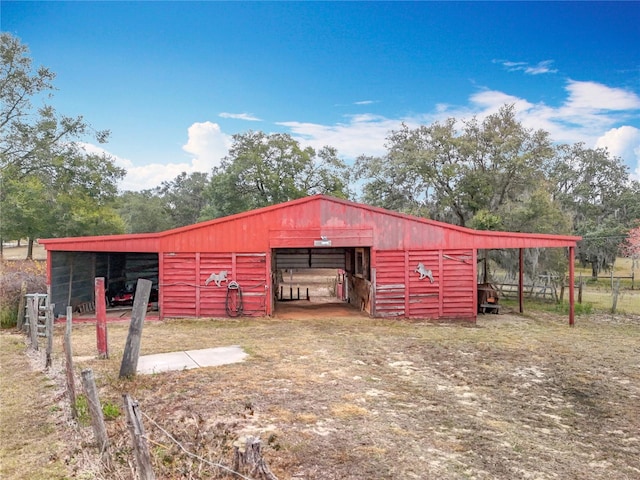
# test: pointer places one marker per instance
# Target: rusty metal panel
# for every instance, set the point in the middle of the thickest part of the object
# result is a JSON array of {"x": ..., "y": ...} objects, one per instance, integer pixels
[
  {"x": 179, "y": 285},
  {"x": 424, "y": 296},
  {"x": 390, "y": 283},
  {"x": 252, "y": 276},
  {"x": 459, "y": 283}
]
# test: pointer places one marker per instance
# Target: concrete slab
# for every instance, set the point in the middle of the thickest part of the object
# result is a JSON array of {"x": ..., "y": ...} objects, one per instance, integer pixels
[{"x": 208, "y": 357}]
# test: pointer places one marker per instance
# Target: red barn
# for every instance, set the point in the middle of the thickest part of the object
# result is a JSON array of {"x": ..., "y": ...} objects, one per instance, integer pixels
[{"x": 396, "y": 265}]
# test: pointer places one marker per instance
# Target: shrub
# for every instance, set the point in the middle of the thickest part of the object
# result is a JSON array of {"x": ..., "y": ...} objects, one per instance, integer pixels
[{"x": 14, "y": 273}]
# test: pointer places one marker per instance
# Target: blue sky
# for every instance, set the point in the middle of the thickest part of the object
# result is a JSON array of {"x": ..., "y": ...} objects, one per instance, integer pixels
[{"x": 174, "y": 80}]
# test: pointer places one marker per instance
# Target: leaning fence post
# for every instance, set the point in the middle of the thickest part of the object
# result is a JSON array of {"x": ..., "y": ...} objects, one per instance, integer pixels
[
  {"x": 49, "y": 332},
  {"x": 132, "y": 347},
  {"x": 95, "y": 409},
  {"x": 71, "y": 384},
  {"x": 140, "y": 446}
]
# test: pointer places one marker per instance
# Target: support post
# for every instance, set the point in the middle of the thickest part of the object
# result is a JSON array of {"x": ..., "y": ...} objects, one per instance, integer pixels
[
  {"x": 132, "y": 348},
  {"x": 521, "y": 280},
  {"x": 572, "y": 293},
  {"x": 68, "y": 355},
  {"x": 101, "y": 318}
]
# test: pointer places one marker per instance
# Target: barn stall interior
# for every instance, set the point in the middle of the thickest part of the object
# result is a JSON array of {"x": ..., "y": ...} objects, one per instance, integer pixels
[
  {"x": 311, "y": 276},
  {"x": 385, "y": 264}
]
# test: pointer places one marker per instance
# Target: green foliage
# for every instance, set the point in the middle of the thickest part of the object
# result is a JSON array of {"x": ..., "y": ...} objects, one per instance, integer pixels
[
  {"x": 464, "y": 177},
  {"x": 485, "y": 220},
  {"x": 579, "y": 308},
  {"x": 14, "y": 274},
  {"x": 111, "y": 411},
  {"x": 143, "y": 212},
  {"x": 82, "y": 409},
  {"x": 51, "y": 185},
  {"x": 8, "y": 316},
  {"x": 263, "y": 170},
  {"x": 183, "y": 198}
]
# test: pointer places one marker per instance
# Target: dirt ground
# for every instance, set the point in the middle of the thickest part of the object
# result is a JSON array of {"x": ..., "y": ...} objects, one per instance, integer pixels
[{"x": 335, "y": 397}]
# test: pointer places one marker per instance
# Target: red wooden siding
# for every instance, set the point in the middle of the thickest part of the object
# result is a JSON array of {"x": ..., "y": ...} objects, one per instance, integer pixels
[
  {"x": 252, "y": 275},
  {"x": 459, "y": 284},
  {"x": 212, "y": 297},
  {"x": 424, "y": 296},
  {"x": 390, "y": 283},
  {"x": 184, "y": 293},
  {"x": 401, "y": 293},
  {"x": 178, "y": 285}
]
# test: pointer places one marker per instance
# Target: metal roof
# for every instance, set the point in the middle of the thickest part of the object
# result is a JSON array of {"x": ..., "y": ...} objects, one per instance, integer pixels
[{"x": 302, "y": 221}]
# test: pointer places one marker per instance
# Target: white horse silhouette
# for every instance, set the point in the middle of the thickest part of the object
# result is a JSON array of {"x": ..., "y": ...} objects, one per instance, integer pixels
[
  {"x": 424, "y": 273},
  {"x": 217, "y": 278}
]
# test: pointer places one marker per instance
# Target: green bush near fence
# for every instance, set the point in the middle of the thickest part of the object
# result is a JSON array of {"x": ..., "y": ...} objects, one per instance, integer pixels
[{"x": 8, "y": 316}]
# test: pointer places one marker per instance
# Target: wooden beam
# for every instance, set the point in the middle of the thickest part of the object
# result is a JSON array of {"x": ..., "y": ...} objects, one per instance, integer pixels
[
  {"x": 521, "y": 280},
  {"x": 571, "y": 285}
]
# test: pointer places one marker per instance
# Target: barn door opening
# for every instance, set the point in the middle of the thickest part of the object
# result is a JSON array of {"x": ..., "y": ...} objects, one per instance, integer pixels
[{"x": 316, "y": 278}]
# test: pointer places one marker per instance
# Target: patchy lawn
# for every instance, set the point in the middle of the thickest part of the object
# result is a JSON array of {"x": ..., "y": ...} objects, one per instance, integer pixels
[{"x": 354, "y": 398}]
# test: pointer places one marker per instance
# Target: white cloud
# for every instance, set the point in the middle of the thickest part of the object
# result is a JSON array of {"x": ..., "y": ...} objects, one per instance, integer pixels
[
  {"x": 589, "y": 110},
  {"x": 364, "y": 102},
  {"x": 540, "y": 68},
  {"x": 623, "y": 142},
  {"x": 592, "y": 96},
  {"x": 208, "y": 144},
  {"x": 361, "y": 135},
  {"x": 240, "y": 116},
  {"x": 145, "y": 176}
]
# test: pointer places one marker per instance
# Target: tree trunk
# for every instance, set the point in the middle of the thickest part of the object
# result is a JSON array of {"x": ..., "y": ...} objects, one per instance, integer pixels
[
  {"x": 247, "y": 458},
  {"x": 594, "y": 270},
  {"x": 30, "y": 249}
]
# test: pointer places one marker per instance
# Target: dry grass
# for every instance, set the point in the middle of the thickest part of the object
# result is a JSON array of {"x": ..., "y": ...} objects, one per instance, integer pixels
[
  {"x": 30, "y": 425},
  {"x": 353, "y": 398}
]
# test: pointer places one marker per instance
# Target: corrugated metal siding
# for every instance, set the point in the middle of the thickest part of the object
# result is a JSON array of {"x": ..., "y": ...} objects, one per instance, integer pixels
[
  {"x": 184, "y": 293},
  {"x": 459, "y": 284},
  {"x": 424, "y": 296},
  {"x": 390, "y": 283}
]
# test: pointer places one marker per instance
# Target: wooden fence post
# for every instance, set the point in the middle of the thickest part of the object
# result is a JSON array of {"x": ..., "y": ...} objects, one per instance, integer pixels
[
  {"x": 140, "y": 446},
  {"x": 101, "y": 318},
  {"x": 580, "y": 289},
  {"x": 68, "y": 354},
  {"x": 95, "y": 409},
  {"x": 21, "y": 306},
  {"x": 615, "y": 292},
  {"x": 132, "y": 347},
  {"x": 49, "y": 333},
  {"x": 32, "y": 310}
]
